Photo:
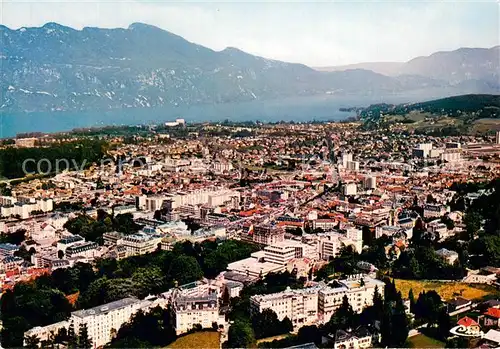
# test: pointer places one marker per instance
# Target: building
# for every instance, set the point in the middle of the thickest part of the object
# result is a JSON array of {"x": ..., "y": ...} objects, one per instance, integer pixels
[
  {"x": 352, "y": 339},
  {"x": 195, "y": 304},
  {"x": 330, "y": 244},
  {"x": 112, "y": 238},
  {"x": 346, "y": 157},
  {"x": 353, "y": 165},
  {"x": 434, "y": 211},
  {"x": 102, "y": 322},
  {"x": 82, "y": 249},
  {"x": 45, "y": 332},
  {"x": 192, "y": 311},
  {"x": 359, "y": 290},
  {"x": 451, "y": 156},
  {"x": 448, "y": 256},
  {"x": 300, "y": 306},
  {"x": 69, "y": 241},
  {"x": 319, "y": 303},
  {"x": 349, "y": 189},
  {"x": 25, "y": 142},
  {"x": 255, "y": 266},
  {"x": 491, "y": 318},
  {"x": 140, "y": 243},
  {"x": 282, "y": 252},
  {"x": 453, "y": 145},
  {"x": 467, "y": 327},
  {"x": 370, "y": 182},
  {"x": 268, "y": 234},
  {"x": 492, "y": 337},
  {"x": 497, "y": 137},
  {"x": 105, "y": 320},
  {"x": 8, "y": 250}
]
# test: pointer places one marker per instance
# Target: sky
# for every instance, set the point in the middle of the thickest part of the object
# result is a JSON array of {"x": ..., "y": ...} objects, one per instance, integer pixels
[{"x": 310, "y": 32}]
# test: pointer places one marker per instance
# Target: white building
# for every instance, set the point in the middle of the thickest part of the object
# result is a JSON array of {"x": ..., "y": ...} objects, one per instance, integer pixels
[
  {"x": 140, "y": 243},
  {"x": 331, "y": 243},
  {"x": 451, "y": 156},
  {"x": 82, "y": 249},
  {"x": 282, "y": 252},
  {"x": 346, "y": 157},
  {"x": 359, "y": 291},
  {"x": 195, "y": 304},
  {"x": 300, "y": 306},
  {"x": 349, "y": 189},
  {"x": 319, "y": 303},
  {"x": 353, "y": 165},
  {"x": 102, "y": 321}
]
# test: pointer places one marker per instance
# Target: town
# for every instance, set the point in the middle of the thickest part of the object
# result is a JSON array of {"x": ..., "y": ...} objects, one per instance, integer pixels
[{"x": 278, "y": 235}]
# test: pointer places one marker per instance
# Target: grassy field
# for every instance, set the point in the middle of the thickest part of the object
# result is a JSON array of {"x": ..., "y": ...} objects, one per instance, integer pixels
[
  {"x": 270, "y": 339},
  {"x": 447, "y": 290},
  {"x": 422, "y": 341},
  {"x": 202, "y": 340},
  {"x": 486, "y": 125}
]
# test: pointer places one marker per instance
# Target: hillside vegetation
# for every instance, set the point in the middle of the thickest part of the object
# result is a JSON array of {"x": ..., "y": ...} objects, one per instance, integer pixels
[{"x": 458, "y": 112}]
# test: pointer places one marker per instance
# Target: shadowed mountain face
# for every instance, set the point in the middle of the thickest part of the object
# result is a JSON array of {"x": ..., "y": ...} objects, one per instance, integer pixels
[{"x": 56, "y": 68}]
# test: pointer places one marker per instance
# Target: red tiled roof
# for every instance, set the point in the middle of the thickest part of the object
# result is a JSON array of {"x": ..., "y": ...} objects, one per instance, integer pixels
[
  {"x": 467, "y": 322},
  {"x": 493, "y": 312}
]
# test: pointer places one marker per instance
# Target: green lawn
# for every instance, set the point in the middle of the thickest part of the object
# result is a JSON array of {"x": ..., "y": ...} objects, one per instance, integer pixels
[
  {"x": 270, "y": 339},
  {"x": 202, "y": 340},
  {"x": 422, "y": 341}
]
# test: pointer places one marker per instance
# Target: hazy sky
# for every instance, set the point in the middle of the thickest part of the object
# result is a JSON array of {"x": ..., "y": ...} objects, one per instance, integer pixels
[{"x": 310, "y": 32}]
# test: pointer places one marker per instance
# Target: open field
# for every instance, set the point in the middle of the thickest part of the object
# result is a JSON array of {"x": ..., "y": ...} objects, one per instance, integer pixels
[
  {"x": 270, "y": 339},
  {"x": 486, "y": 125},
  {"x": 202, "y": 340},
  {"x": 422, "y": 341},
  {"x": 447, "y": 290}
]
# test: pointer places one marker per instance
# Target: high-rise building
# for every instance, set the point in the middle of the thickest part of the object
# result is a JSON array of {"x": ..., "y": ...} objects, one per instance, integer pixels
[{"x": 497, "y": 138}]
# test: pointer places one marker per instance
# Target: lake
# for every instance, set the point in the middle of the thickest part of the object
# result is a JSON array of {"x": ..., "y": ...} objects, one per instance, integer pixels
[{"x": 317, "y": 108}]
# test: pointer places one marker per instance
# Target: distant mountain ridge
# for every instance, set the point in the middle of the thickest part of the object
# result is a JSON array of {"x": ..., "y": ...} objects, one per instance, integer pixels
[
  {"x": 462, "y": 66},
  {"x": 57, "y": 68}
]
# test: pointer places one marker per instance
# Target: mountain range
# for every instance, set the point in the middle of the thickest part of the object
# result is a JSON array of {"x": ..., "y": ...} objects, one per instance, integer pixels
[
  {"x": 57, "y": 68},
  {"x": 480, "y": 65}
]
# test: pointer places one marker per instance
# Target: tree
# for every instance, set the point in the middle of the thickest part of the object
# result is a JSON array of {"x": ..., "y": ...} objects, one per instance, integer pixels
[
  {"x": 444, "y": 323},
  {"x": 31, "y": 342},
  {"x": 240, "y": 335},
  {"x": 184, "y": 269},
  {"x": 308, "y": 334},
  {"x": 428, "y": 306},
  {"x": 84, "y": 341},
  {"x": 267, "y": 324},
  {"x": 72, "y": 338},
  {"x": 472, "y": 220},
  {"x": 286, "y": 325},
  {"x": 411, "y": 297},
  {"x": 343, "y": 318}
]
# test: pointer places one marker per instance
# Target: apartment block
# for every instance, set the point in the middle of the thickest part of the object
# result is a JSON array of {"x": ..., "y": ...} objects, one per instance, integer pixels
[
  {"x": 300, "y": 306},
  {"x": 319, "y": 303}
]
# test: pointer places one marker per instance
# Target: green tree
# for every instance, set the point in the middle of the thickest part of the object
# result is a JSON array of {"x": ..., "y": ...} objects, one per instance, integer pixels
[
  {"x": 472, "y": 220},
  {"x": 31, "y": 342},
  {"x": 72, "y": 337},
  {"x": 84, "y": 341},
  {"x": 444, "y": 324},
  {"x": 240, "y": 335},
  {"x": 184, "y": 269},
  {"x": 411, "y": 297}
]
